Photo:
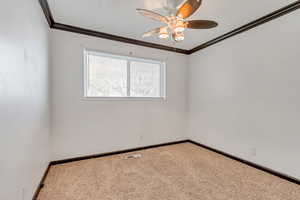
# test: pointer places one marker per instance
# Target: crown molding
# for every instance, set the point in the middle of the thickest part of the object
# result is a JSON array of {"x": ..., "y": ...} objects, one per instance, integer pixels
[
  {"x": 278, "y": 13},
  {"x": 98, "y": 34},
  {"x": 47, "y": 12},
  {"x": 274, "y": 15},
  {"x": 55, "y": 25}
]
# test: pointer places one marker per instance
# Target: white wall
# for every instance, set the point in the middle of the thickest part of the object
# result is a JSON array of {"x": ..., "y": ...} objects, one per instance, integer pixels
[
  {"x": 24, "y": 112},
  {"x": 245, "y": 95},
  {"x": 82, "y": 127},
  {"x": 243, "y": 98}
]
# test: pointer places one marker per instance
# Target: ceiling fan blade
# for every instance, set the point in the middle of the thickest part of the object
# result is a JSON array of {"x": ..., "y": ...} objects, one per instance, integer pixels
[
  {"x": 188, "y": 8},
  {"x": 152, "y": 15},
  {"x": 153, "y": 31},
  {"x": 201, "y": 24}
]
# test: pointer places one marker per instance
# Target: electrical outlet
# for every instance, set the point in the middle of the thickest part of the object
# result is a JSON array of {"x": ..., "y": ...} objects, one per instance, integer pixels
[{"x": 141, "y": 138}]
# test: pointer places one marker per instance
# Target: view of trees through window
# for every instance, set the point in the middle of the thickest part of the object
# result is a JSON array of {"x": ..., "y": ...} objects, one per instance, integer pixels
[
  {"x": 109, "y": 76},
  {"x": 145, "y": 79}
]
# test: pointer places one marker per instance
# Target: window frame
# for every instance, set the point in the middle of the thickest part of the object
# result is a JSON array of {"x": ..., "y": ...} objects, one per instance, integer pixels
[{"x": 129, "y": 59}]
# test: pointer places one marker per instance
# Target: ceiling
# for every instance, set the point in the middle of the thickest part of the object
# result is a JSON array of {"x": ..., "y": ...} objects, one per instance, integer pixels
[{"x": 119, "y": 17}]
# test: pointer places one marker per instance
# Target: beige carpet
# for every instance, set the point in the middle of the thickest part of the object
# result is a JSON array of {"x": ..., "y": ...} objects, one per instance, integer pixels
[{"x": 176, "y": 172}]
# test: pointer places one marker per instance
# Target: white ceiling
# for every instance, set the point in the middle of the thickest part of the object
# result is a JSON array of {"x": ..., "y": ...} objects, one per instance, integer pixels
[{"x": 119, "y": 17}]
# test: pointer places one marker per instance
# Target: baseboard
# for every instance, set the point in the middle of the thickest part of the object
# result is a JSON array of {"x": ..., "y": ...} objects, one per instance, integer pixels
[
  {"x": 41, "y": 183},
  {"x": 114, "y": 152},
  {"x": 257, "y": 166}
]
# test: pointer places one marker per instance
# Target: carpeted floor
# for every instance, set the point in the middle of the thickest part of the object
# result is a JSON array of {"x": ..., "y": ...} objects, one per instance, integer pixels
[{"x": 176, "y": 172}]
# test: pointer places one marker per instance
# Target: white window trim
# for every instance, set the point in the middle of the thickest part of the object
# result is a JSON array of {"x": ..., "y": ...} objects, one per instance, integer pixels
[{"x": 163, "y": 76}]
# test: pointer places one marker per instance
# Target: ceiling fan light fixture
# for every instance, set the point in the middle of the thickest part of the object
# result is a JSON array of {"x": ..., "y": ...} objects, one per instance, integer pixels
[
  {"x": 179, "y": 29},
  {"x": 179, "y": 26},
  {"x": 163, "y": 36},
  {"x": 163, "y": 33},
  {"x": 179, "y": 36}
]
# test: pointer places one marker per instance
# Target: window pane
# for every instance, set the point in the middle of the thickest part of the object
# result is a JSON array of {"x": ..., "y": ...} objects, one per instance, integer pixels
[
  {"x": 107, "y": 77},
  {"x": 144, "y": 79}
]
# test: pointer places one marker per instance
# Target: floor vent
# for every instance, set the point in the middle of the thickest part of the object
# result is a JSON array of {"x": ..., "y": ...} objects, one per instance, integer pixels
[{"x": 133, "y": 156}]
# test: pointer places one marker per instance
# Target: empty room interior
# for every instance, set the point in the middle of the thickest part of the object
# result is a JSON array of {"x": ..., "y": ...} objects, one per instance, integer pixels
[{"x": 150, "y": 100}]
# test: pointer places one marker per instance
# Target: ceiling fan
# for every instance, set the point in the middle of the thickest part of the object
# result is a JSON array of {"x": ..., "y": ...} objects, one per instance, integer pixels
[{"x": 176, "y": 21}]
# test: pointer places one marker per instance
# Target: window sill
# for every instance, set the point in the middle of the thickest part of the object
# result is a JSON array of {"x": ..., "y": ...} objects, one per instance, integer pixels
[{"x": 124, "y": 98}]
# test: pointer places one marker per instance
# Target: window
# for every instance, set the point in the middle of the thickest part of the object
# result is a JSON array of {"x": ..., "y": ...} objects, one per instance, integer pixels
[{"x": 108, "y": 75}]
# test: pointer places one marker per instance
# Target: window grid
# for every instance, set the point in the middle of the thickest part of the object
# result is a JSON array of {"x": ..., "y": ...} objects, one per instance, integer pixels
[{"x": 128, "y": 79}]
